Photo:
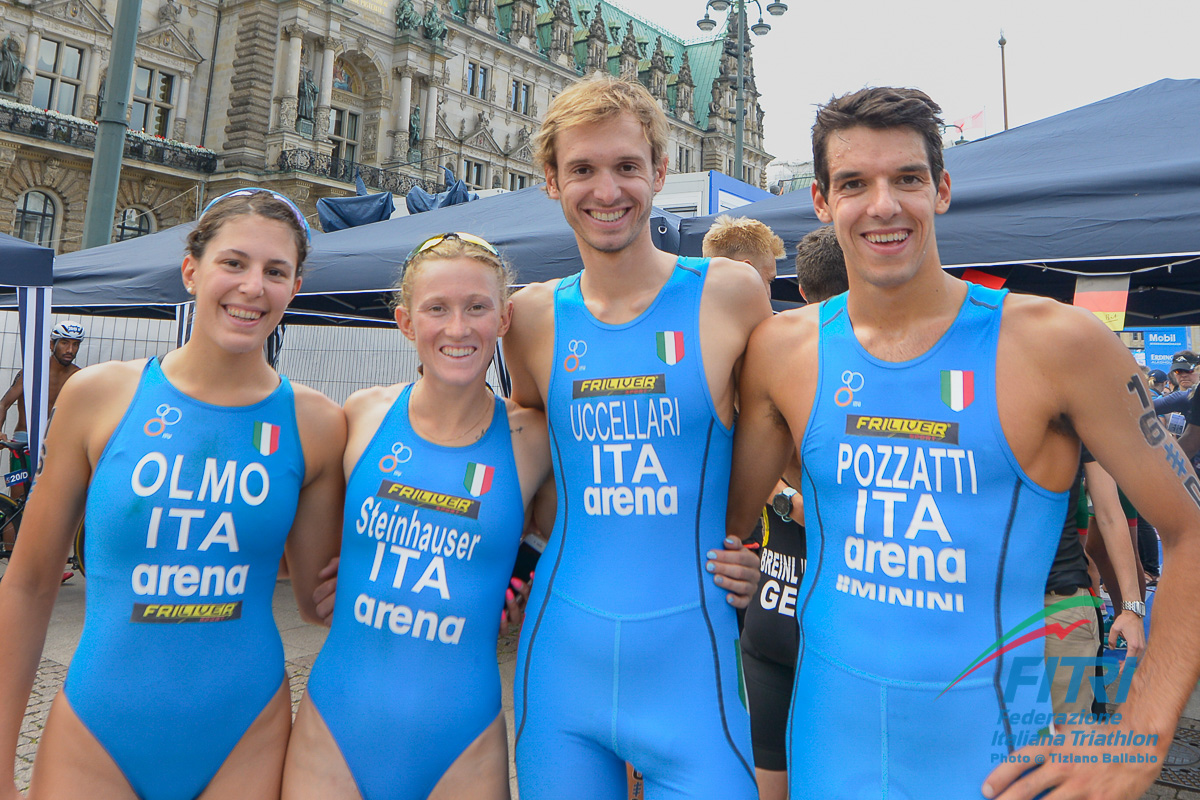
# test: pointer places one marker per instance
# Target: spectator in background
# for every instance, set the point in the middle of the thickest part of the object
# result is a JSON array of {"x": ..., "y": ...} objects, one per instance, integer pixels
[
  {"x": 745, "y": 239},
  {"x": 820, "y": 266},
  {"x": 1157, "y": 380},
  {"x": 1183, "y": 370}
]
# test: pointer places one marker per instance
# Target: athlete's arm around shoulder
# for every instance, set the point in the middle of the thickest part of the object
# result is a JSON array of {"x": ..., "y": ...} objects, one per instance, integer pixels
[
  {"x": 1060, "y": 370},
  {"x": 775, "y": 396},
  {"x": 531, "y": 448},
  {"x": 315, "y": 536},
  {"x": 529, "y": 344},
  {"x": 89, "y": 408},
  {"x": 732, "y": 305}
]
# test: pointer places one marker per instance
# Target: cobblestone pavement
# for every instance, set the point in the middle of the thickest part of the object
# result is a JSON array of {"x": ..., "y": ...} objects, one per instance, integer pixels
[{"x": 301, "y": 645}]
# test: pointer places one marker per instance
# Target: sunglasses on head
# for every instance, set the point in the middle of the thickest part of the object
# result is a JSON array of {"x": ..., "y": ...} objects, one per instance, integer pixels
[
  {"x": 252, "y": 190},
  {"x": 434, "y": 241}
]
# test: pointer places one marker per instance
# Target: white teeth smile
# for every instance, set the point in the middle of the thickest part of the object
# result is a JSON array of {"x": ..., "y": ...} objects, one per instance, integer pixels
[
  {"x": 611, "y": 216},
  {"x": 458, "y": 352},
  {"x": 884, "y": 238},
  {"x": 238, "y": 313}
]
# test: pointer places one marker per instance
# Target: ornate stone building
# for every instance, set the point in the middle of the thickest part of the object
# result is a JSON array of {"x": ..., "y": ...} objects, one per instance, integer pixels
[{"x": 302, "y": 95}]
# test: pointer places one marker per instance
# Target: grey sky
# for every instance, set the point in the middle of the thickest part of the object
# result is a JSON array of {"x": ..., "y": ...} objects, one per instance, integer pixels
[{"x": 1060, "y": 54}]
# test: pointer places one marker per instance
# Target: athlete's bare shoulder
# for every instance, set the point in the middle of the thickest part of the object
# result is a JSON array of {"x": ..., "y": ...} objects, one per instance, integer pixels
[
  {"x": 781, "y": 362},
  {"x": 530, "y": 341},
  {"x": 314, "y": 408},
  {"x": 105, "y": 383},
  {"x": 738, "y": 291},
  {"x": 527, "y": 424},
  {"x": 1046, "y": 334},
  {"x": 789, "y": 330},
  {"x": 533, "y": 308},
  {"x": 1024, "y": 314},
  {"x": 372, "y": 402},
  {"x": 92, "y": 403},
  {"x": 531, "y": 447}
]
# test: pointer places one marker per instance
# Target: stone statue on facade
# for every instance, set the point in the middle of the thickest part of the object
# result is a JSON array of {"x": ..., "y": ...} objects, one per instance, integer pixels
[
  {"x": 306, "y": 101},
  {"x": 168, "y": 12},
  {"x": 10, "y": 65},
  {"x": 414, "y": 127},
  {"x": 407, "y": 18},
  {"x": 435, "y": 28}
]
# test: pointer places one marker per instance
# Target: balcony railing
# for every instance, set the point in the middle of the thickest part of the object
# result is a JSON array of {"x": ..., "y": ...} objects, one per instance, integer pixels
[
  {"x": 342, "y": 170},
  {"x": 82, "y": 134}
]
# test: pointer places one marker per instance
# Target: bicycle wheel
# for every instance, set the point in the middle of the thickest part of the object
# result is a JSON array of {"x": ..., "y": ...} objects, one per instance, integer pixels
[
  {"x": 79, "y": 551},
  {"x": 10, "y": 513}
]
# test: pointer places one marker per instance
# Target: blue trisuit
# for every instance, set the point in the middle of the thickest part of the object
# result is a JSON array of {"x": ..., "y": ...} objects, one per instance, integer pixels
[
  {"x": 927, "y": 543},
  {"x": 629, "y": 651},
  {"x": 187, "y": 514},
  {"x": 408, "y": 677}
]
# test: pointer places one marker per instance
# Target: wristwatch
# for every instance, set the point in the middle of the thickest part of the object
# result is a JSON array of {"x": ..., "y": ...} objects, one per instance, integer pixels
[
  {"x": 1136, "y": 606},
  {"x": 782, "y": 503}
]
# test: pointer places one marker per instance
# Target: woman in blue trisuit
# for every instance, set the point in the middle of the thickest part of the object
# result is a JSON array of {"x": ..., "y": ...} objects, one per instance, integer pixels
[
  {"x": 198, "y": 470},
  {"x": 403, "y": 702}
]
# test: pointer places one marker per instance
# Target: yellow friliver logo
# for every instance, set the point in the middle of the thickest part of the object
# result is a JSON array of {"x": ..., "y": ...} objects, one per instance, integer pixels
[
  {"x": 902, "y": 428},
  {"x": 186, "y": 612},
  {"x": 632, "y": 384},
  {"x": 423, "y": 498}
]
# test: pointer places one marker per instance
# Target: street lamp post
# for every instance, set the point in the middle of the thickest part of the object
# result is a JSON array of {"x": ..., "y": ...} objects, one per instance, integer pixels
[
  {"x": 1003, "y": 78},
  {"x": 759, "y": 28}
]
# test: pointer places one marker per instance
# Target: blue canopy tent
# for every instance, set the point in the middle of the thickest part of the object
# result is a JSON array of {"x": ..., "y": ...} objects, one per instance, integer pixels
[
  {"x": 30, "y": 268},
  {"x": 1111, "y": 188},
  {"x": 349, "y": 273}
]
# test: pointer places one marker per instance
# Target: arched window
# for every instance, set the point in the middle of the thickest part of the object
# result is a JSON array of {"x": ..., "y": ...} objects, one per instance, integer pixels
[
  {"x": 132, "y": 223},
  {"x": 35, "y": 218},
  {"x": 345, "y": 116}
]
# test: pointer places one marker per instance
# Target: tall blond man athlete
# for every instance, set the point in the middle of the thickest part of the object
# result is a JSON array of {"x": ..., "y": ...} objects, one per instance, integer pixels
[
  {"x": 629, "y": 648},
  {"x": 938, "y": 426}
]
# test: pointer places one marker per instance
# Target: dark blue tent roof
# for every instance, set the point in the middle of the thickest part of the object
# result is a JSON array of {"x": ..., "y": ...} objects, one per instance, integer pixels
[
  {"x": 348, "y": 272},
  {"x": 135, "y": 272},
  {"x": 1112, "y": 187},
  {"x": 526, "y": 226},
  {"x": 23, "y": 263}
]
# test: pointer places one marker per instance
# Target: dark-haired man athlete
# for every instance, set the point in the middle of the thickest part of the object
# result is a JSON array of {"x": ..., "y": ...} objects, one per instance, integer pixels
[{"x": 938, "y": 426}]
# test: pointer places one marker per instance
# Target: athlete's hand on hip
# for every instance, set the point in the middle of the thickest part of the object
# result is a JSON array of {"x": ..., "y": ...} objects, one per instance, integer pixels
[
  {"x": 735, "y": 569},
  {"x": 1077, "y": 767},
  {"x": 324, "y": 594}
]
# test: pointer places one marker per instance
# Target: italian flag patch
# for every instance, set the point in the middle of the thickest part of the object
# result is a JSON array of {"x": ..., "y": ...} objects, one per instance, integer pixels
[
  {"x": 958, "y": 388},
  {"x": 266, "y": 438},
  {"x": 479, "y": 478},
  {"x": 670, "y": 346}
]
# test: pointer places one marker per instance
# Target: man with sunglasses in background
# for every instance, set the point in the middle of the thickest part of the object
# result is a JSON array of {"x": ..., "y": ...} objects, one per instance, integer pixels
[{"x": 629, "y": 649}]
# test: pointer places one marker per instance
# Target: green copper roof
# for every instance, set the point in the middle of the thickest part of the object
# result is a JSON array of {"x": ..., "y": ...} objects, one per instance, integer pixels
[{"x": 704, "y": 53}]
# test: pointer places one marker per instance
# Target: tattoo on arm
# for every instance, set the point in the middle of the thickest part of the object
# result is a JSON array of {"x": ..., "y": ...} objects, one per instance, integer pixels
[{"x": 1155, "y": 435}]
